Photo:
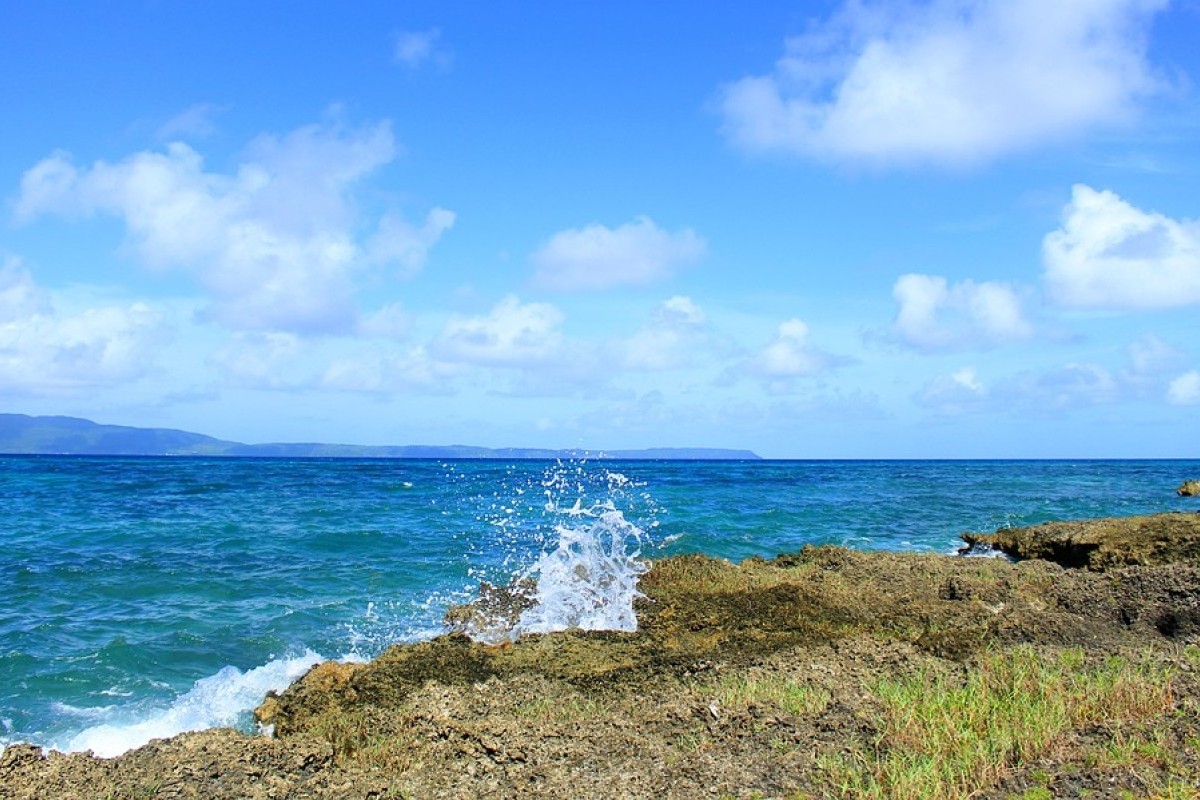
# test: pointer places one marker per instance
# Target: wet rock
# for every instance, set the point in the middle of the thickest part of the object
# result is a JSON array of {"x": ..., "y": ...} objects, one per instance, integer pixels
[
  {"x": 1188, "y": 489},
  {"x": 495, "y": 610}
]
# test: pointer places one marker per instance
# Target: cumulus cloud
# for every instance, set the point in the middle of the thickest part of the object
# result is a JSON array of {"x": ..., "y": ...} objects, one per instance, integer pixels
[
  {"x": 934, "y": 314},
  {"x": 512, "y": 334},
  {"x": 948, "y": 82},
  {"x": 1185, "y": 389},
  {"x": 677, "y": 331},
  {"x": 1109, "y": 255},
  {"x": 599, "y": 257},
  {"x": 277, "y": 243},
  {"x": 788, "y": 356},
  {"x": 43, "y": 350}
]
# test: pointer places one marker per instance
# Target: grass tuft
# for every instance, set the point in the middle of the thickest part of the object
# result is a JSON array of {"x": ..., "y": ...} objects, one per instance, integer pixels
[
  {"x": 947, "y": 738},
  {"x": 797, "y": 698},
  {"x": 567, "y": 710}
]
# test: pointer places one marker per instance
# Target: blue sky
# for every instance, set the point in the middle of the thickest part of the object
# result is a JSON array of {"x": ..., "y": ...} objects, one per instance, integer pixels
[{"x": 816, "y": 230}]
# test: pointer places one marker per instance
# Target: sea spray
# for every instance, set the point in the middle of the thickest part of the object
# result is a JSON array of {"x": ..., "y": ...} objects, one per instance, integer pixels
[
  {"x": 589, "y": 581},
  {"x": 582, "y": 557}
]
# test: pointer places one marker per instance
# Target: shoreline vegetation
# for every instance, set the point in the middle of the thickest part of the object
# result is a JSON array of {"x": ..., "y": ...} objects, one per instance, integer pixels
[{"x": 1070, "y": 669}]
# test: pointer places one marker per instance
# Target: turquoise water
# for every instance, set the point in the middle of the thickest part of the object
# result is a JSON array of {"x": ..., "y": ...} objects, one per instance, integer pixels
[{"x": 145, "y": 596}]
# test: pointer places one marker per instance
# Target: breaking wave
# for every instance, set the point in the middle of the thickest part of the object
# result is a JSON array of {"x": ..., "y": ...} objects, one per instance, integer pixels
[{"x": 226, "y": 698}]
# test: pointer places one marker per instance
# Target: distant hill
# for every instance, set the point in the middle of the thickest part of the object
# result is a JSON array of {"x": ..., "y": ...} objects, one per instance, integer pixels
[{"x": 21, "y": 434}]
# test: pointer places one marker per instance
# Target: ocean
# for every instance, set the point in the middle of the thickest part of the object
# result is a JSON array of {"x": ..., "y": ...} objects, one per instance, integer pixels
[{"x": 143, "y": 597}]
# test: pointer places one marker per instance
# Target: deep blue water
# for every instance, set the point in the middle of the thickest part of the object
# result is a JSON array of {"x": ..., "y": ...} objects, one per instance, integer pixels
[{"x": 143, "y": 596}]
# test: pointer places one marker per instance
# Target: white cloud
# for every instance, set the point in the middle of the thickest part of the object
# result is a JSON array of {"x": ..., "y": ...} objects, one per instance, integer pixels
[
  {"x": 1185, "y": 389},
  {"x": 789, "y": 355},
  {"x": 935, "y": 315},
  {"x": 262, "y": 360},
  {"x": 275, "y": 244},
  {"x": 414, "y": 48},
  {"x": 44, "y": 351},
  {"x": 1150, "y": 355},
  {"x": 390, "y": 372},
  {"x": 1151, "y": 362},
  {"x": 512, "y": 334},
  {"x": 949, "y": 81},
  {"x": 598, "y": 257},
  {"x": 1108, "y": 254},
  {"x": 389, "y": 322},
  {"x": 677, "y": 333},
  {"x": 955, "y": 393},
  {"x": 399, "y": 241},
  {"x": 19, "y": 296}
]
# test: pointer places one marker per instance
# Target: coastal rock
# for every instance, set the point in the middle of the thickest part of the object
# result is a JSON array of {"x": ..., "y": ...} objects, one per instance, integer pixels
[
  {"x": 699, "y": 610},
  {"x": 1101, "y": 544},
  {"x": 741, "y": 681},
  {"x": 496, "y": 609},
  {"x": 1188, "y": 489},
  {"x": 323, "y": 686},
  {"x": 220, "y": 763}
]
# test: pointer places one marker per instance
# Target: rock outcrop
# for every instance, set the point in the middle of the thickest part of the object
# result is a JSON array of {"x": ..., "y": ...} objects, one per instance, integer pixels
[{"x": 1102, "y": 544}]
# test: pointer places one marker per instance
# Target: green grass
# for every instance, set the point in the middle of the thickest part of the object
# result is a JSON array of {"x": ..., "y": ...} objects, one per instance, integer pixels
[
  {"x": 569, "y": 709},
  {"x": 1192, "y": 654},
  {"x": 357, "y": 737},
  {"x": 739, "y": 692},
  {"x": 942, "y": 737}
]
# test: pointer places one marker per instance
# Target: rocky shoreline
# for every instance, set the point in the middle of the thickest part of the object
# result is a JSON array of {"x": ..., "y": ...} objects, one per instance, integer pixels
[{"x": 771, "y": 678}]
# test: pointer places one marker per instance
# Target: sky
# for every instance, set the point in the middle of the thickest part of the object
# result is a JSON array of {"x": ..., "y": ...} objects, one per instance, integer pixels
[{"x": 860, "y": 229}]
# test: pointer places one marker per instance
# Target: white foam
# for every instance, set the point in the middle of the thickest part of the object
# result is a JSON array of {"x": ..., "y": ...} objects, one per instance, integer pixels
[
  {"x": 589, "y": 581},
  {"x": 212, "y": 702},
  {"x": 984, "y": 551}
]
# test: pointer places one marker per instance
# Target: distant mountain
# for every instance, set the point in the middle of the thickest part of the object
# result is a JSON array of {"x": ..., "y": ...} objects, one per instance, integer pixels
[
  {"x": 21, "y": 434},
  {"x": 72, "y": 436}
]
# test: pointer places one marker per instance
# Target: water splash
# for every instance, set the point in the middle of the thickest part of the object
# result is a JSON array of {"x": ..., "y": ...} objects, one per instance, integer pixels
[
  {"x": 589, "y": 581},
  {"x": 571, "y": 560}
]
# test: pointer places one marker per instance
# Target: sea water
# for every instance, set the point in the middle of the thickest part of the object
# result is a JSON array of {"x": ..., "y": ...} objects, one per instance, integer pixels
[{"x": 142, "y": 597}]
